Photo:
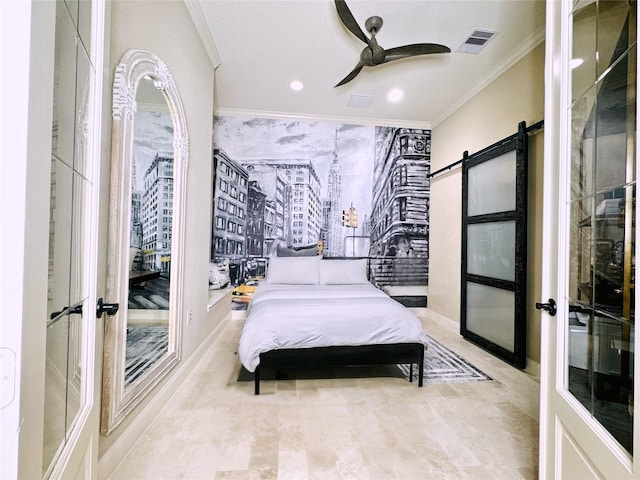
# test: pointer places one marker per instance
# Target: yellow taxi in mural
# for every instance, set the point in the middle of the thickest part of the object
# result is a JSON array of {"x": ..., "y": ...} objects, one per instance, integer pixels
[{"x": 244, "y": 292}]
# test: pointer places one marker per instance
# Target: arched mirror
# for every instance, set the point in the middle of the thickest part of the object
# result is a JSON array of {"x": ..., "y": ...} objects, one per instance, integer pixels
[{"x": 146, "y": 230}]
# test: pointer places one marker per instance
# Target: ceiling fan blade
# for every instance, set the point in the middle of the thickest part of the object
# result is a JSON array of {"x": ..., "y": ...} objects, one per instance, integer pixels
[
  {"x": 406, "y": 51},
  {"x": 353, "y": 74},
  {"x": 347, "y": 19}
]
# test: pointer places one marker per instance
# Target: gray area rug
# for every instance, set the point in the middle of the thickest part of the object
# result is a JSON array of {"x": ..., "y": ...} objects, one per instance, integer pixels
[{"x": 441, "y": 365}]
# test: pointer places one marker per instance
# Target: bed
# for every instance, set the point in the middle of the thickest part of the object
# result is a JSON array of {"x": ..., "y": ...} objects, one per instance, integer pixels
[{"x": 314, "y": 312}]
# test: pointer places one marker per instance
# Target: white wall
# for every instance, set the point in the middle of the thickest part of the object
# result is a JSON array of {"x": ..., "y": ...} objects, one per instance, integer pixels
[
  {"x": 26, "y": 44},
  {"x": 494, "y": 113},
  {"x": 166, "y": 29}
]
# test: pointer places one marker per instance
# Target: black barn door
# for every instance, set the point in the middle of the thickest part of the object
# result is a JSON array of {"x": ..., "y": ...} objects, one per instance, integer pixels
[{"x": 494, "y": 248}]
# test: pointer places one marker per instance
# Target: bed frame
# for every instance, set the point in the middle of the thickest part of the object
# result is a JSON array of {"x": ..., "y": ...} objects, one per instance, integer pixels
[{"x": 361, "y": 355}]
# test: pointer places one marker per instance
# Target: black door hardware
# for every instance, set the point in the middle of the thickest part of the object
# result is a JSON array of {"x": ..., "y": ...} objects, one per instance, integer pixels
[
  {"x": 72, "y": 311},
  {"x": 109, "y": 308},
  {"x": 550, "y": 307}
]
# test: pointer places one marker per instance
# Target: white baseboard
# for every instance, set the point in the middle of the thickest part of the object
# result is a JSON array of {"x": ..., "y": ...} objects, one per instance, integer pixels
[
  {"x": 446, "y": 322},
  {"x": 533, "y": 368}
]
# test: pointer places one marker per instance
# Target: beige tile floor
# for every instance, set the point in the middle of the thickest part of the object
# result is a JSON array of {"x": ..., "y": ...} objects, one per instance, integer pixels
[{"x": 347, "y": 428}]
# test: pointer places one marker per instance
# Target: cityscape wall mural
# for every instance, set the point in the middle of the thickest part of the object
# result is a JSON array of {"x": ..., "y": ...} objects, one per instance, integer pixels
[{"x": 289, "y": 186}]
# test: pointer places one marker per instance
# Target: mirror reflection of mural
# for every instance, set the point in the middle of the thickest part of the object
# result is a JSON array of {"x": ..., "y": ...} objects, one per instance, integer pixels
[
  {"x": 151, "y": 228},
  {"x": 286, "y": 187},
  {"x": 151, "y": 211}
]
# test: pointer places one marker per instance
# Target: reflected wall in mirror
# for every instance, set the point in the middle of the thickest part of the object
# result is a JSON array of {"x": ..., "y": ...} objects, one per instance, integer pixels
[{"x": 145, "y": 264}]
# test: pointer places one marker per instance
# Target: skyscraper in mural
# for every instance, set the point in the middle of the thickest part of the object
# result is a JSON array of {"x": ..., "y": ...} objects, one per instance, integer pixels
[
  {"x": 230, "y": 207},
  {"x": 302, "y": 204},
  {"x": 136, "y": 210},
  {"x": 262, "y": 205},
  {"x": 273, "y": 184},
  {"x": 157, "y": 213},
  {"x": 335, "y": 235}
]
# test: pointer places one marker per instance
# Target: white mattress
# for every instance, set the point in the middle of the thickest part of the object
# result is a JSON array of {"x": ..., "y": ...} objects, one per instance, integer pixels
[{"x": 305, "y": 316}]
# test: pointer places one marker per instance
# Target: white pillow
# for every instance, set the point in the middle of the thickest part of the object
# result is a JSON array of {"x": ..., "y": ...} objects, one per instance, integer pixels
[
  {"x": 343, "y": 272},
  {"x": 294, "y": 270}
]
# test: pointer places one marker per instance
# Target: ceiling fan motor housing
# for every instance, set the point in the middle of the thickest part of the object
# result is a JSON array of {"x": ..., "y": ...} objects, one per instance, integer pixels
[{"x": 372, "y": 55}]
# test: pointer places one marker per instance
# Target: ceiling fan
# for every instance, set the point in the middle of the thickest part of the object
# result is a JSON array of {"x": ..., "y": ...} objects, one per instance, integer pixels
[{"x": 373, "y": 54}]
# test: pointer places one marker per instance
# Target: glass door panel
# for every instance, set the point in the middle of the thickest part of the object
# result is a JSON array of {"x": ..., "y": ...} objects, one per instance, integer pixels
[
  {"x": 583, "y": 56},
  {"x": 582, "y": 147},
  {"x": 611, "y": 18},
  {"x": 490, "y": 314},
  {"x": 580, "y": 247},
  {"x": 615, "y": 109},
  {"x": 77, "y": 300},
  {"x": 55, "y": 424},
  {"x": 601, "y": 288},
  {"x": 82, "y": 85},
  {"x": 491, "y": 250},
  {"x": 500, "y": 173}
]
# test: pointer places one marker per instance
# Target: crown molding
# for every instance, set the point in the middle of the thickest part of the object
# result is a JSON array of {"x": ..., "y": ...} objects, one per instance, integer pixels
[
  {"x": 376, "y": 122},
  {"x": 525, "y": 47},
  {"x": 197, "y": 16}
]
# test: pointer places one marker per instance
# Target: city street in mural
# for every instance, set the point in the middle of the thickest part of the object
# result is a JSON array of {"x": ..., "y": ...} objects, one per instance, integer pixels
[
  {"x": 151, "y": 211},
  {"x": 287, "y": 187}
]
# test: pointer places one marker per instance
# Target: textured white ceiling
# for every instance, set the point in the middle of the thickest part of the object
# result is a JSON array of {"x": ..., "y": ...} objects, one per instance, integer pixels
[{"x": 265, "y": 44}]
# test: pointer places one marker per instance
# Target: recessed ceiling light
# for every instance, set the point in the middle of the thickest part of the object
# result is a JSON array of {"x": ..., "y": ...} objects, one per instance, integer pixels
[
  {"x": 395, "y": 95},
  {"x": 576, "y": 62},
  {"x": 296, "y": 85}
]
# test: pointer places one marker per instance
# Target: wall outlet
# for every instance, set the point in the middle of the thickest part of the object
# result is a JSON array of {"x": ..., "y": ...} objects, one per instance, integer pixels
[{"x": 189, "y": 316}]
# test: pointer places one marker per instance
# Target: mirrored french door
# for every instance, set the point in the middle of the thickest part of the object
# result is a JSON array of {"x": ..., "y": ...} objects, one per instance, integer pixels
[
  {"x": 70, "y": 402},
  {"x": 588, "y": 425}
]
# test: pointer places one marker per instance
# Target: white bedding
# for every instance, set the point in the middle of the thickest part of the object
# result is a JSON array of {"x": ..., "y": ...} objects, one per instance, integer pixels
[
  {"x": 284, "y": 291},
  {"x": 305, "y": 316}
]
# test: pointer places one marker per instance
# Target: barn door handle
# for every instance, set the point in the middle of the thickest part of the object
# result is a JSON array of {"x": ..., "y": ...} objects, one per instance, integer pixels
[
  {"x": 550, "y": 307},
  {"x": 109, "y": 308}
]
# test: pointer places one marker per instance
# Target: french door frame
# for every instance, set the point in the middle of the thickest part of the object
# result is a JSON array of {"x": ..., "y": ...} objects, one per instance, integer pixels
[{"x": 572, "y": 442}]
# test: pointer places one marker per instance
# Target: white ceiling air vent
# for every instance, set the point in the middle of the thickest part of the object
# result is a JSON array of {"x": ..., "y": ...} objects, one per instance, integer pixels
[
  {"x": 360, "y": 101},
  {"x": 476, "y": 41}
]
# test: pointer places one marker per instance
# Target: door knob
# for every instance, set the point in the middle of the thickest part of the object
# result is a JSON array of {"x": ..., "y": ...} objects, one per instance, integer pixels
[
  {"x": 109, "y": 308},
  {"x": 550, "y": 307}
]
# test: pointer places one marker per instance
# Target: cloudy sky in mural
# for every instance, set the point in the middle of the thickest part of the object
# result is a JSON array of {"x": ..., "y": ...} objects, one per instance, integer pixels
[
  {"x": 153, "y": 134},
  {"x": 254, "y": 139}
]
